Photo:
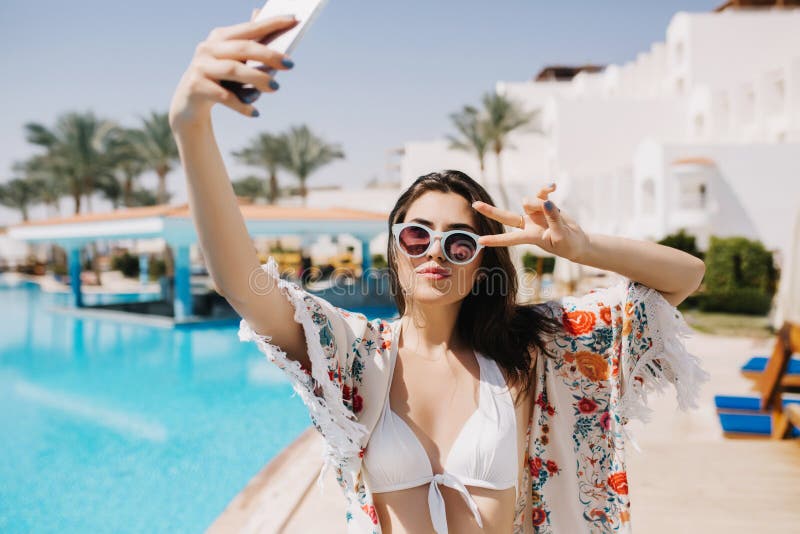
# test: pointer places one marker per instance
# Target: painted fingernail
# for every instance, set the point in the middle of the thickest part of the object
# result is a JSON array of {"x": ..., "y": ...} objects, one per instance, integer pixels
[
  {"x": 251, "y": 97},
  {"x": 273, "y": 84},
  {"x": 255, "y": 113},
  {"x": 288, "y": 63},
  {"x": 552, "y": 184},
  {"x": 548, "y": 205}
]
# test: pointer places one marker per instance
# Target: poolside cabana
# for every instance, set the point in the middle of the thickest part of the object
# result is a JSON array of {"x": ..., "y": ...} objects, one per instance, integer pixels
[{"x": 173, "y": 224}]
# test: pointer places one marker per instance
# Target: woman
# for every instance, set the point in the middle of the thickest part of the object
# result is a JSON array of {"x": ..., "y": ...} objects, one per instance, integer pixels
[{"x": 469, "y": 412}]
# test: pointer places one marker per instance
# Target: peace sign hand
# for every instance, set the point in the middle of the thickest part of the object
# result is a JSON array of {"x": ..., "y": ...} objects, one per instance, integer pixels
[{"x": 543, "y": 224}]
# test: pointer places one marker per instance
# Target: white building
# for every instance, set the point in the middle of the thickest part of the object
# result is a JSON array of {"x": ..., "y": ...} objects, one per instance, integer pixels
[{"x": 701, "y": 131}]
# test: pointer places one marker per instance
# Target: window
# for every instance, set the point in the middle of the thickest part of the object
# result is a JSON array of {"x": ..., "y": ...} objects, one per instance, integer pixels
[{"x": 693, "y": 193}]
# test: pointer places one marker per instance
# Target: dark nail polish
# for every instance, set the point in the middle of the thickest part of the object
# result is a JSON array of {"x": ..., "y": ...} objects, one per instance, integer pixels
[
  {"x": 255, "y": 113},
  {"x": 288, "y": 63},
  {"x": 273, "y": 84},
  {"x": 251, "y": 97},
  {"x": 548, "y": 205}
]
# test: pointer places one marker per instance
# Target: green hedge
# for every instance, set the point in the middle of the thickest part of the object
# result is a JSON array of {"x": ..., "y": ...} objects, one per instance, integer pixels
[
  {"x": 529, "y": 261},
  {"x": 156, "y": 268},
  {"x": 740, "y": 276},
  {"x": 126, "y": 263},
  {"x": 746, "y": 300},
  {"x": 682, "y": 241}
]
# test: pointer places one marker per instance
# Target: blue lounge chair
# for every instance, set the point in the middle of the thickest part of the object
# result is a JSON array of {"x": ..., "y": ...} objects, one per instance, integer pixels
[
  {"x": 755, "y": 366},
  {"x": 741, "y": 415},
  {"x": 766, "y": 414}
]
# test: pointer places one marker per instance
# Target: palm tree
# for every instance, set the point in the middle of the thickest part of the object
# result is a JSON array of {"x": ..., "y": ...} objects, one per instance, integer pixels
[
  {"x": 131, "y": 163},
  {"x": 142, "y": 197},
  {"x": 251, "y": 187},
  {"x": 50, "y": 186},
  {"x": 76, "y": 151},
  {"x": 307, "y": 153},
  {"x": 19, "y": 194},
  {"x": 269, "y": 152},
  {"x": 158, "y": 148},
  {"x": 503, "y": 116},
  {"x": 473, "y": 138}
]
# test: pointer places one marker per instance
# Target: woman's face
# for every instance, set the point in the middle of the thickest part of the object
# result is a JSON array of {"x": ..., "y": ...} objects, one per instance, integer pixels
[{"x": 442, "y": 212}]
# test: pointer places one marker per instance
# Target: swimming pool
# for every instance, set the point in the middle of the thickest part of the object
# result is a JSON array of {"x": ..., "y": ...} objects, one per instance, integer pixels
[{"x": 109, "y": 427}]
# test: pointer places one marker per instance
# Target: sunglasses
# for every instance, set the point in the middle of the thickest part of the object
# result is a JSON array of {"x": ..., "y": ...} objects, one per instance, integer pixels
[{"x": 414, "y": 239}]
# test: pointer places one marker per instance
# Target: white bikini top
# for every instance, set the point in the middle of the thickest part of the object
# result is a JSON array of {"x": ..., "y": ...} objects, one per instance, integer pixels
[{"x": 484, "y": 453}]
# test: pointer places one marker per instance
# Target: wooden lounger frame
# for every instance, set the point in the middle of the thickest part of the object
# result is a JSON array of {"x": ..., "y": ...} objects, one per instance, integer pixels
[{"x": 771, "y": 383}]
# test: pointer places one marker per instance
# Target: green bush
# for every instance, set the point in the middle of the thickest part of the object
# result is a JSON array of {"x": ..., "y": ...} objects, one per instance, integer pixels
[
  {"x": 379, "y": 261},
  {"x": 682, "y": 241},
  {"x": 529, "y": 262},
  {"x": 740, "y": 276},
  {"x": 156, "y": 268},
  {"x": 126, "y": 263},
  {"x": 746, "y": 300}
]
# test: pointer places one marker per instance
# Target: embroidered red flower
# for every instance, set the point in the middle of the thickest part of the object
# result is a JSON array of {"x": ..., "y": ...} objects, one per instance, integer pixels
[
  {"x": 346, "y": 392},
  {"x": 538, "y": 516},
  {"x": 587, "y": 405},
  {"x": 370, "y": 511},
  {"x": 358, "y": 401},
  {"x": 578, "y": 322},
  {"x": 619, "y": 482},
  {"x": 605, "y": 420},
  {"x": 552, "y": 467},
  {"x": 605, "y": 314},
  {"x": 535, "y": 465}
]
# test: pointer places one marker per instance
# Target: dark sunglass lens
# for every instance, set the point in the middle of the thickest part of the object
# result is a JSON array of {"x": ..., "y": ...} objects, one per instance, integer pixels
[
  {"x": 414, "y": 240},
  {"x": 460, "y": 247}
]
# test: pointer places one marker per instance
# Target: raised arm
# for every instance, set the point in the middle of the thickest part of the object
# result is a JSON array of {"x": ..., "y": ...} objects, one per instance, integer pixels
[
  {"x": 227, "y": 247},
  {"x": 673, "y": 273}
]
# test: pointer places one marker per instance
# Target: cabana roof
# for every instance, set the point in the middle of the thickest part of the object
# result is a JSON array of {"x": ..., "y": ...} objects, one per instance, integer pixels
[{"x": 174, "y": 223}]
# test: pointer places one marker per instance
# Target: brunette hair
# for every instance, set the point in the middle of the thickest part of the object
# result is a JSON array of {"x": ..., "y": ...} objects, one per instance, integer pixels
[{"x": 489, "y": 318}]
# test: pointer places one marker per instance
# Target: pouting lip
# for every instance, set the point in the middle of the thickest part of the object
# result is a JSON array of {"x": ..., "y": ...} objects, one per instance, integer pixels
[{"x": 433, "y": 269}]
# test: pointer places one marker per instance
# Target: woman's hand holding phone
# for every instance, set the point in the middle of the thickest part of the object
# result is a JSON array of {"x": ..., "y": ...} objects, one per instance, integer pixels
[{"x": 220, "y": 57}]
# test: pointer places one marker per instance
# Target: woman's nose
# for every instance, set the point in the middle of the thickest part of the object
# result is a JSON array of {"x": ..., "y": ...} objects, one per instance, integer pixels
[{"x": 436, "y": 249}]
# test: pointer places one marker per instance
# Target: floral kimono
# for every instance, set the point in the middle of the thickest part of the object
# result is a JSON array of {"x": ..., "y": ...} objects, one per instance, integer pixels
[{"x": 617, "y": 345}]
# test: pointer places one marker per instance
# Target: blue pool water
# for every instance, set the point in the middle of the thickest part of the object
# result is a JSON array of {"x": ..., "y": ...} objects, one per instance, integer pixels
[{"x": 109, "y": 427}]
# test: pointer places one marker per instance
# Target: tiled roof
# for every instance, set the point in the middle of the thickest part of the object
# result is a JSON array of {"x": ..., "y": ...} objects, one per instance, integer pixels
[
  {"x": 249, "y": 211},
  {"x": 699, "y": 160}
]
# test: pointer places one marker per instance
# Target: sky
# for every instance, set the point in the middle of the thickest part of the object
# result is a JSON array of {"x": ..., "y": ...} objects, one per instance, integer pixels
[{"x": 368, "y": 75}]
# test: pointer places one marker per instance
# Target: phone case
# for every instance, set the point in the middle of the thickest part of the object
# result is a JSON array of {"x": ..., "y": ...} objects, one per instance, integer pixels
[{"x": 306, "y": 11}]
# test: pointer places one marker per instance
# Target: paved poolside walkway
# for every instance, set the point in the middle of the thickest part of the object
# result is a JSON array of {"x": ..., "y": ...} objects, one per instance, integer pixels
[{"x": 688, "y": 477}]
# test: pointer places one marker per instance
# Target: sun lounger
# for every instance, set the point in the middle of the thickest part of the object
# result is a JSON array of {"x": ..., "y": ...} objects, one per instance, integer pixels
[
  {"x": 755, "y": 366},
  {"x": 741, "y": 415},
  {"x": 765, "y": 414}
]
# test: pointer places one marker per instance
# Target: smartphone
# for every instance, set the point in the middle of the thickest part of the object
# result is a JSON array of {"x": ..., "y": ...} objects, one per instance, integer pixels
[{"x": 305, "y": 11}]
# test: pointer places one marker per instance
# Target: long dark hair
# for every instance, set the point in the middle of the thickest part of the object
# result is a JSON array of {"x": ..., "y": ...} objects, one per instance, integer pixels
[{"x": 489, "y": 318}]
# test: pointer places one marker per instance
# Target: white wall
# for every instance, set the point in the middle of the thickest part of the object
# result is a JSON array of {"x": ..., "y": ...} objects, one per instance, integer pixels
[
  {"x": 721, "y": 86},
  {"x": 752, "y": 190}
]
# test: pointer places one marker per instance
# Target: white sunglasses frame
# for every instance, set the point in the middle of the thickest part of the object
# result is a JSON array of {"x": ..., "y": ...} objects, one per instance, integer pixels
[{"x": 399, "y": 227}]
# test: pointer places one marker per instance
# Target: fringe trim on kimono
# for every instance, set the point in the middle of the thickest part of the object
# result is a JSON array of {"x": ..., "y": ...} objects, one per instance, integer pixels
[
  {"x": 666, "y": 362},
  {"x": 341, "y": 431}
]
